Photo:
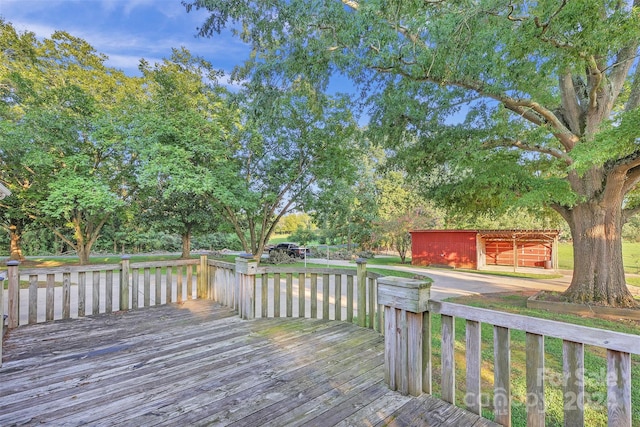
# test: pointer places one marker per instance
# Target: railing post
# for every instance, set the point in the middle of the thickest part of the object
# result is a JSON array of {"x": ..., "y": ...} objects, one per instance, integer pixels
[
  {"x": 246, "y": 268},
  {"x": 405, "y": 301},
  {"x": 14, "y": 294},
  {"x": 361, "y": 268},
  {"x": 124, "y": 282}
]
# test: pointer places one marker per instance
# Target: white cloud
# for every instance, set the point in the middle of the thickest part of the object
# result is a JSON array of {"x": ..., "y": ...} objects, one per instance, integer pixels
[{"x": 126, "y": 30}]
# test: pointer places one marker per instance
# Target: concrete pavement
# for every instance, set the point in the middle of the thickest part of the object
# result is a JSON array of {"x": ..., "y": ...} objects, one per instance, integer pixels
[{"x": 453, "y": 283}]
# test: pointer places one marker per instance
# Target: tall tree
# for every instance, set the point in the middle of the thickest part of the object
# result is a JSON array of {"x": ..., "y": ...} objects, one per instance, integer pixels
[
  {"x": 182, "y": 132},
  {"x": 552, "y": 88},
  {"x": 295, "y": 143}
]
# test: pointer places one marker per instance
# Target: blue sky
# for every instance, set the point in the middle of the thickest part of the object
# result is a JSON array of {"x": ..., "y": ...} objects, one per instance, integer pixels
[{"x": 126, "y": 30}]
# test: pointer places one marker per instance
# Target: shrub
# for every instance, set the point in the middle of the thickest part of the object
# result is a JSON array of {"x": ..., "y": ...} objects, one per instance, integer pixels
[{"x": 279, "y": 257}]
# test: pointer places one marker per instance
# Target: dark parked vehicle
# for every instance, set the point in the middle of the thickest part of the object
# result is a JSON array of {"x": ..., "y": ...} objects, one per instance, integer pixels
[{"x": 291, "y": 249}]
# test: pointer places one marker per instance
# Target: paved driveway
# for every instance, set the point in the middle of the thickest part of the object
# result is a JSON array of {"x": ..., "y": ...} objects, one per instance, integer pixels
[{"x": 452, "y": 283}]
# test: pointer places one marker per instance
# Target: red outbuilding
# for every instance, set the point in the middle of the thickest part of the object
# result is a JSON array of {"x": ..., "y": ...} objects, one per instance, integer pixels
[{"x": 484, "y": 249}]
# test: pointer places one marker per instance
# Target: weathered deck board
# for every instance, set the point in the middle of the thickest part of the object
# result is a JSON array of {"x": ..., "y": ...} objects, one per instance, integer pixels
[{"x": 197, "y": 363}]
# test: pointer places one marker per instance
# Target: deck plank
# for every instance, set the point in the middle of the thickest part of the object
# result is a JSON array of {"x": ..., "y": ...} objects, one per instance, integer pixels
[{"x": 196, "y": 363}]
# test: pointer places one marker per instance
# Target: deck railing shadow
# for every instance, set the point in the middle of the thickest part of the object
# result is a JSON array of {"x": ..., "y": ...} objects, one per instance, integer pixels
[{"x": 400, "y": 309}]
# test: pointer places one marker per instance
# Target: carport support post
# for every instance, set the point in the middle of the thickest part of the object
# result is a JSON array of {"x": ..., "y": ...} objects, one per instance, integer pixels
[
  {"x": 405, "y": 301},
  {"x": 124, "y": 282},
  {"x": 246, "y": 268}
]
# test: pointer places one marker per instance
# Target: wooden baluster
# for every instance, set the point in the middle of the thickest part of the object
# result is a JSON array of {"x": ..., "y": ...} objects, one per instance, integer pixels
[
  {"x": 473, "y": 360},
  {"x": 124, "y": 283},
  {"x": 350, "y": 298},
  {"x": 325, "y": 296},
  {"x": 82, "y": 293},
  {"x": 179, "y": 277},
  {"x": 169, "y": 284},
  {"x": 158, "y": 286},
  {"x": 619, "y": 388},
  {"x": 448, "y": 359},
  {"x": 147, "y": 287},
  {"x": 337, "y": 287},
  {"x": 135, "y": 288},
  {"x": 33, "y": 298},
  {"x": 302, "y": 294},
  {"x": 108, "y": 285},
  {"x": 314, "y": 295},
  {"x": 289, "y": 297},
  {"x": 502, "y": 375},
  {"x": 276, "y": 295},
  {"x": 535, "y": 380},
  {"x": 95, "y": 294},
  {"x": 573, "y": 383},
  {"x": 361, "y": 266},
  {"x": 66, "y": 295},
  {"x": 189, "y": 281},
  {"x": 51, "y": 281}
]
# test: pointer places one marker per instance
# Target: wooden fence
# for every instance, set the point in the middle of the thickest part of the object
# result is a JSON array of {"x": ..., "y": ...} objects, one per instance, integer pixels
[
  {"x": 69, "y": 292},
  {"x": 351, "y": 295}
]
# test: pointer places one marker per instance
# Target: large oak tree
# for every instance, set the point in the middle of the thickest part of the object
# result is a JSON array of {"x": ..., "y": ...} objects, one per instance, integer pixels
[{"x": 550, "y": 89}]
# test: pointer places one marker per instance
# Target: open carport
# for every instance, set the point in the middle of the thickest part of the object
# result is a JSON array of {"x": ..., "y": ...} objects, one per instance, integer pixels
[{"x": 486, "y": 249}]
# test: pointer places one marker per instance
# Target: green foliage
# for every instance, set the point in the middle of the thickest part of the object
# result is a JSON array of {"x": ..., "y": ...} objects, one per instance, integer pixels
[
  {"x": 291, "y": 222},
  {"x": 294, "y": 146},
  {"x": 61, "y": 155},
  {"x": 303, "y": 236},
  {"x": 489, "y": 105}
]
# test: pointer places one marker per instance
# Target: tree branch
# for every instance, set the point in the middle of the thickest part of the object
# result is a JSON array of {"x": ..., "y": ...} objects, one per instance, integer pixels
[
  {"x": 570, "y": 105},
  {"x": 632, "y": 179},
  {"x": 508, "y": 142}
]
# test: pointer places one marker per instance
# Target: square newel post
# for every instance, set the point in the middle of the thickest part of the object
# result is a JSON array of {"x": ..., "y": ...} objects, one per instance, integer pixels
[
  {"x": 405, "y": 301},
  {"x": 13, "y": 305},
  {"x": 246, "y": 268}
]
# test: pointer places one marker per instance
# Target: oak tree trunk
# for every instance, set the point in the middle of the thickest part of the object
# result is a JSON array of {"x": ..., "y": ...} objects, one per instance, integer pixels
[
  {"x": 15, "y": 249},
  {"x": 598, "y": 271},
  {"x": 186, "y": 245},
  {"x": 83, "y": 253}
]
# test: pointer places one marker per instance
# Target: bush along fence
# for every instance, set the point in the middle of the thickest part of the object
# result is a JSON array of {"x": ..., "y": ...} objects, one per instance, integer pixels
[{"x": 413, "y": 326}]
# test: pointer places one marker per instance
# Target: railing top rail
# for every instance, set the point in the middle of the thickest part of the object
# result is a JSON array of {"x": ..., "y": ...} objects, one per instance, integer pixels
[
  {"x": 317, "y": 270},
  {"x": 68, "y": 269},
  {"x": 617, "y": 341},
  {"x": 167, "y": 263},
  {"x": 103, "y": 267},
  {"x": 221, "y": 264}
]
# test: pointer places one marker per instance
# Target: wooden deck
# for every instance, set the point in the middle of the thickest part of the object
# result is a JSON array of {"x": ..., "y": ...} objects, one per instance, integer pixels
[{"x": 198, "y": 364}]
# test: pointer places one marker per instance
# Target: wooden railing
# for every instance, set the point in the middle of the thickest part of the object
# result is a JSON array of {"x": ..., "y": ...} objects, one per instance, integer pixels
[
  {"x": 358, "y": 296},
  {"x": 618, "y": 347},
  {"x": 42, "y": 295},
  {"x": 409, "y": 357},
  {"x": 281, "y": 291}
]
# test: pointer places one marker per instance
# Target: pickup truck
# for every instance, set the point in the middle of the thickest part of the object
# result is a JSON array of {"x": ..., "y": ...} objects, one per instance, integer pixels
[{"x": 291, "y": 249}]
